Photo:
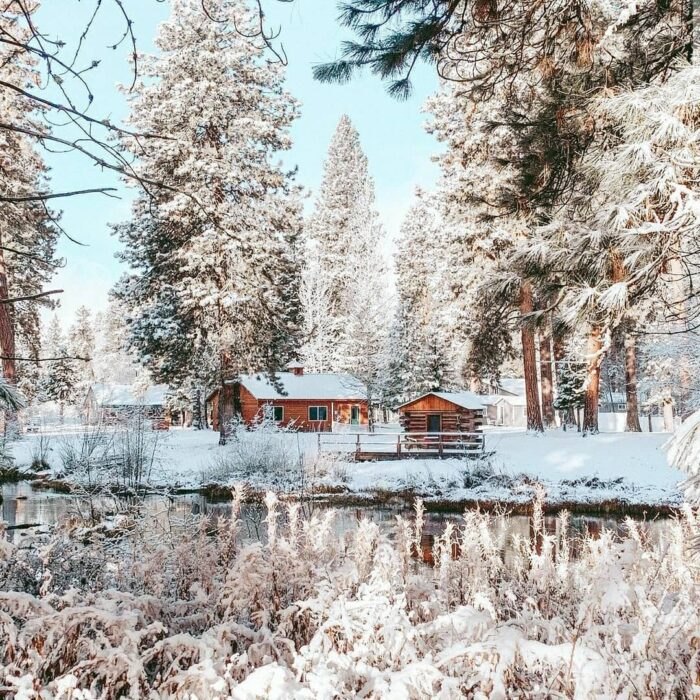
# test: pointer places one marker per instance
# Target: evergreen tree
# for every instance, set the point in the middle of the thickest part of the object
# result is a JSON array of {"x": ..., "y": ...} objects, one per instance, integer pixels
[
  {"x": 81, "y": 343},
  {"x": 571, "y": 391},
  {"x": 112, "y": 362},
  {"x": 27, "y": 232},
  {"x": 215, "y": 263},
  {"x": 344, "y": 261},
  {"x": 59, "y": 381},
  {"x": 420, "y": 355}
]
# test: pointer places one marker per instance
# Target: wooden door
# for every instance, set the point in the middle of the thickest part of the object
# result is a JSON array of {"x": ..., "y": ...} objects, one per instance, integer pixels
[{"x": 434, "y": 423}]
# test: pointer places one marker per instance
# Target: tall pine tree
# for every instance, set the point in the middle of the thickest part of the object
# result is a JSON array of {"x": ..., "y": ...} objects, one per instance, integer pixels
[
  {"x": 214, "y": 257},
  {"x": 344, "y": 280}
]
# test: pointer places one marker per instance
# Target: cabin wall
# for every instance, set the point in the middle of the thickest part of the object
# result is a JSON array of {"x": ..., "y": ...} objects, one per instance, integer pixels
[
  {"x": 454, "y": 419},
  {"x": 296, "y": 411}
]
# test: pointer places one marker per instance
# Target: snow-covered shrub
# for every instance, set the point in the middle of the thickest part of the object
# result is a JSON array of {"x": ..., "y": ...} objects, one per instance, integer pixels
[
  {"x": 262, "y": 455},
  {"x": 189, "y": 611},
  {"x": 41, "y": 448}
]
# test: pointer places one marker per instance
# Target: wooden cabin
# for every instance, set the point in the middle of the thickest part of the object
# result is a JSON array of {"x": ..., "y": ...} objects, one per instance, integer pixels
[
  {"x": 306, "y": 402},
  {"x": 117, "y": 403},
  {"x": 443, "y": 412}
]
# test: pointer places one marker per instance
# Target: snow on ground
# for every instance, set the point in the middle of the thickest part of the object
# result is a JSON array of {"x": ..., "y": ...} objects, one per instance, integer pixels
[{"x": 573, "y": 469}]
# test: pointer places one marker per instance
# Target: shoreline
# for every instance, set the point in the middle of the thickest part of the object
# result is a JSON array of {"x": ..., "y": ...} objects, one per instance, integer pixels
[{"x": 343, "y": 497}]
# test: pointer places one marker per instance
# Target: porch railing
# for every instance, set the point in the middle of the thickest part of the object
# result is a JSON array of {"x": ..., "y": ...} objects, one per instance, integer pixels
[{"x": 402, "y": 444}]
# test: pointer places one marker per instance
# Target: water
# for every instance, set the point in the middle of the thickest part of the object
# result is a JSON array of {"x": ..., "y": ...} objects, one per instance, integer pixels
[{"x": 23, "y": 506}]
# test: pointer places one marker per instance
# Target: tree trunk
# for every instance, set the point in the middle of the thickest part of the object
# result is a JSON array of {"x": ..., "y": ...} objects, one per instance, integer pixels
[
  {"x": 546, "y": 375},
  {"x": 229, "y": 409},
  {"x": 7, "y": 329},
  {"x": 632, "y": 424},
  {"x": 197, "y": 422},
  {"x": 590, "y": 406},
  {"x": 532, "y": 394},
  {"x": 668, "y": 416}
]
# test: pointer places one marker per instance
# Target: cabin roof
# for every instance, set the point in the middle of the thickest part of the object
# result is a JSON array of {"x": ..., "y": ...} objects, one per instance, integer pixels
[
  {"x": 463, "y": 399},
  {"x": 511, "y": 385},
  {"x": 306, "y": 387},
  {"x": 127, "y": 395},
  {"x": 512, "y": 400}
]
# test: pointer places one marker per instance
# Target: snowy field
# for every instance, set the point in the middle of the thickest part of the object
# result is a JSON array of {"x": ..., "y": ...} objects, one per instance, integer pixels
[{"x": 573, "y": 469}]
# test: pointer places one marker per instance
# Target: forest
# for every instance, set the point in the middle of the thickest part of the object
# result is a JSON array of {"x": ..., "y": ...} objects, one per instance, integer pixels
[{"x": 559, "y": 245}]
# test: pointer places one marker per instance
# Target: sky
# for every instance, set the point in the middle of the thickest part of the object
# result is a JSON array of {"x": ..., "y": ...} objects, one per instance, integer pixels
[{"x": 392, "y": 132}]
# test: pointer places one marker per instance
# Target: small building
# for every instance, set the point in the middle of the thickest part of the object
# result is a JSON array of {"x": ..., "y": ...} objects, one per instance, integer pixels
[
  {"x": 295, "y": 399},
  {"x": 612, "y": 402},
  {"x": 443, "y": 412},
  {"x": 506, "y": 410},
  {"x": 114, "y": 403},
  {"x": 506, "y": 405}
]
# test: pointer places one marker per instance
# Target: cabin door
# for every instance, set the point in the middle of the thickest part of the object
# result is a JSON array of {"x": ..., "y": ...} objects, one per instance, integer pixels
[
  {"x": 434, "y": 423},
  {"x": 355, "y": 415}
]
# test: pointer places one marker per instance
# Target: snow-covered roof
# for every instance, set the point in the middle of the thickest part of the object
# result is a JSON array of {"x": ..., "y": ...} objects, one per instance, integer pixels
[
  {"x": 512, "y": 400},
  {"x": 328, "y": 387},
  {"x": 127, "y": 395},
  {"x": 465, "y": 399},
  {"x": 617, "y": 397},
  {"x": 512, "y": 385}
]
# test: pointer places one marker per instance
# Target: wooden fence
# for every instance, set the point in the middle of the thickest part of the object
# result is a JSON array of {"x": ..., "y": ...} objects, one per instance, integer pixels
[{"x": 369, "y": 446}]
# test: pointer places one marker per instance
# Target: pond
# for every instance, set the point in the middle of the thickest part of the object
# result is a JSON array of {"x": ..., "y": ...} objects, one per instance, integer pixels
[{"x": 27, "y": 510}]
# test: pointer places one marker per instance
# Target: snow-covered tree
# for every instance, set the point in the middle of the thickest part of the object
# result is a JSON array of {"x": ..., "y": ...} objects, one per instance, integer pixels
[
  {"x": 112, "y": 362},
  {"x": 58, "y": 379},
  {"x": 345, "y": 263},
  {"x": 81, "y": 344},
  {"x": 27, "y": 232},
  {"x": 484, "y": 194},
  {"x": 421, "y": 359},
  {"x": 214, "y": 258}
]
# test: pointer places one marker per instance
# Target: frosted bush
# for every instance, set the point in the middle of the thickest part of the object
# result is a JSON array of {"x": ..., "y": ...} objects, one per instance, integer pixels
[
  {"x": 188, "y": 611},
  {"x": 262, "y": 454}
]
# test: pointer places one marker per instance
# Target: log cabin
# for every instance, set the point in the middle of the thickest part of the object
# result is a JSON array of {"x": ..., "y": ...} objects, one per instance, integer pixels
[
  {"x": 117, "y": 403},
  {"x": 305, "y": 402},
  {"x": 443, "y": 412}
]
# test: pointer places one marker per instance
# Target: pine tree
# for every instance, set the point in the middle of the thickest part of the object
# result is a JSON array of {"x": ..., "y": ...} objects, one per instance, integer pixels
[
  {"x": 81, "y": 344},
  {"x": 59, "y": 381},
  {"x": 27, "y": 232},
  {"x": 112, "y": 362},
  {"x": 215, "y": 264},
  {"x": 345, "y": 262},
  {"x": 421, "y": 355},
  {"x": 571, "y": 392}
]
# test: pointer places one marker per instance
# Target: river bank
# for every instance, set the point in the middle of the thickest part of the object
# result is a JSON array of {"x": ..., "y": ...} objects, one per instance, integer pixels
[{"x": 609, "y": 473}]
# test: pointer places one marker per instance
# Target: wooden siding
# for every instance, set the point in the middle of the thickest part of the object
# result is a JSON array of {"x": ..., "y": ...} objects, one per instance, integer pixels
[
  {"x": 296, "y": 411},
  {"x": 413, "y": 417}
]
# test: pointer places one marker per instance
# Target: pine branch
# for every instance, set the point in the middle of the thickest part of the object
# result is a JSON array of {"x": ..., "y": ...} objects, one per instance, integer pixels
[{"x": 29, "y": 297}]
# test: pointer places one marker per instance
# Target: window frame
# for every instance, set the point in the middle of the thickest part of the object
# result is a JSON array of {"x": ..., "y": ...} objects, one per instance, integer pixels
[
  {"x": 269, "y": 411},
  {"x": 317, "y": 419},
  {"x": 621, "y": 406}
]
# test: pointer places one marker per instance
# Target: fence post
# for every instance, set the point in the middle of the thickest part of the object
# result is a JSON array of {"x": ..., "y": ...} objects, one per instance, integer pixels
[
  {"x": 357, "y": 449},
  {"x": 398, "y": 445},
  {"x": 440, "y": 444}
]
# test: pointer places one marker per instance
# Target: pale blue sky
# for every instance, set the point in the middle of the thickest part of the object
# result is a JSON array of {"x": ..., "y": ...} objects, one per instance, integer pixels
[{"x": 392, "y": 132}]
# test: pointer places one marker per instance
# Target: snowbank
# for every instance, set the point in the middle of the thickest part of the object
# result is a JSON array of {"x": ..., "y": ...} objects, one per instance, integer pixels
[{"x": 629, "y": 467}]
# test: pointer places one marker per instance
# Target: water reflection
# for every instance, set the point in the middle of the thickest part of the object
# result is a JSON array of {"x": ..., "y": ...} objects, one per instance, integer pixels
[{"x": 22, "y": 506}]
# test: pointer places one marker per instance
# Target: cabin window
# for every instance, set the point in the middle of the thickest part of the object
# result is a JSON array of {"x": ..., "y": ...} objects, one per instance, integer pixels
[
  {"x": 318, "y": 413},
  {"x": 622, "y": 407},
  {"x": 275, "y": 413}
]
